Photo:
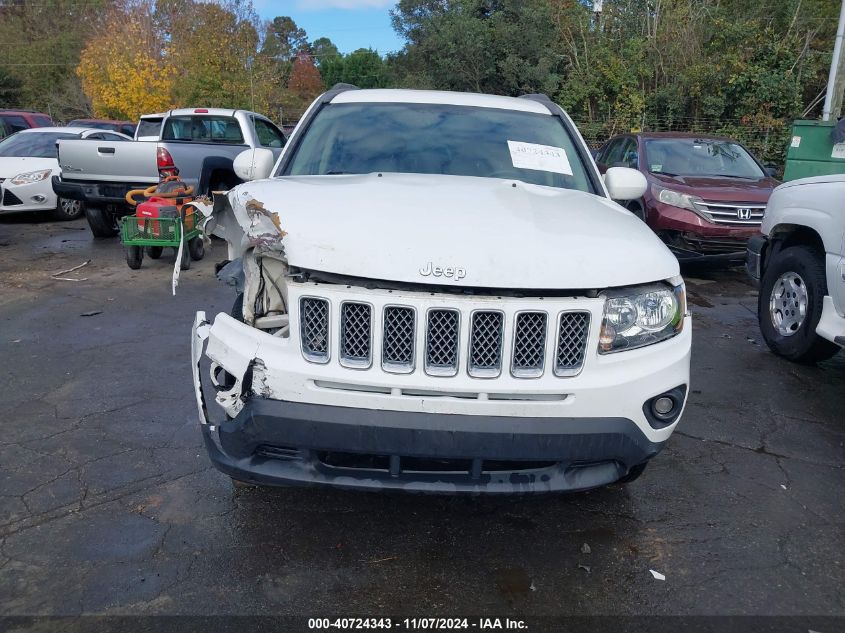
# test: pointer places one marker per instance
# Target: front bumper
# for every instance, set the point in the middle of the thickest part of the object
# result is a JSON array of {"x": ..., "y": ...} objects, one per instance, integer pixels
[
  {"x": 277, "y": 442},
  {"x": 289, "y": 419},
  {"x": 36, "y": 196},
  {"x": 689, "y": 236},
  {"x": 754, "y": 257}
]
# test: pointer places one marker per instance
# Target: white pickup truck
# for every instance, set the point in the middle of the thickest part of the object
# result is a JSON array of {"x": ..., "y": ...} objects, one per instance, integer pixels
[
  {"x": 437, "y": 293},
  {"x": 199, "y": 143},
  {"x": 799, "y": 261}
]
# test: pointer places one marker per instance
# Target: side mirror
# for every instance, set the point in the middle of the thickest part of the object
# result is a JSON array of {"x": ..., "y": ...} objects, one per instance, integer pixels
[
  {"x": 771, "y": 171},
  {"x": 624, "y": 183},
  {"x": 254, "y": 164}
]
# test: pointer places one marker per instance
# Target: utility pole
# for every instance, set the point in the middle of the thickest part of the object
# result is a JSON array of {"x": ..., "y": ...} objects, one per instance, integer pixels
[{"x": 836, "y": 80}]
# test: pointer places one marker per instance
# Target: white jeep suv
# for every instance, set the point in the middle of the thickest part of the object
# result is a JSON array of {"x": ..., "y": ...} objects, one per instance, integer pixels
[{"x": 437, "y": 293}]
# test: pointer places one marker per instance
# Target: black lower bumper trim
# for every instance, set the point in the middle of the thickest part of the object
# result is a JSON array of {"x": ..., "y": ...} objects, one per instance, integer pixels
[
  {"x": 95, "y": 193},
  {"x": 277, "y": 443}
]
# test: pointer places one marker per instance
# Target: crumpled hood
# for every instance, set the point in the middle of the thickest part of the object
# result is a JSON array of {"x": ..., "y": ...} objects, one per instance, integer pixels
[
  {"x": 453, "y": 230},
  {"x": 11, "y": 166}
]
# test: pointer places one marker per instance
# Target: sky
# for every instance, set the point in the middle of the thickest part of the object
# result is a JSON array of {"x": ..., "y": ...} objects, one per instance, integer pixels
[{"x": 350, "y": 24}]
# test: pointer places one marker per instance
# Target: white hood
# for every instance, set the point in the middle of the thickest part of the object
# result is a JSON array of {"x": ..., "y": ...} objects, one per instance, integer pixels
[
  {"x": 11, "y": 166},
  {"x": 486, "y": 232}
]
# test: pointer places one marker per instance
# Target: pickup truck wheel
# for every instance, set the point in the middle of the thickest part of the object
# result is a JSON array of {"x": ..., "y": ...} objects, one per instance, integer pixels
[
  {"x": 134, "y": 256},
  {"x": 790, "y": 305},
  {"x": 102, "y": 222},
  {"x": 196, "y": 248},
  {"x": 67, "y": 209},
  {"x": 633, "y": 474},
  {"x": 155, "y": 251}
]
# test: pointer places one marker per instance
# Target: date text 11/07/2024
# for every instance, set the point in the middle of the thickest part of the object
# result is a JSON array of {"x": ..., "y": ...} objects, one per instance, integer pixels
[{"x": 417, "y": 624}]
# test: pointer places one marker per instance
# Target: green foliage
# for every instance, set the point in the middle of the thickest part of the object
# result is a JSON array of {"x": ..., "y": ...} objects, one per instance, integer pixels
[{"x": 364, "y": 68}]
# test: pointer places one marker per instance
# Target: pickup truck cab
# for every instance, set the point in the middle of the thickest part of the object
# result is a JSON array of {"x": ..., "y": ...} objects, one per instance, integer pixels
[
  {"x": 199, "y": 144},
  {"x": 437, "y": 293},
  {"x": 799, "y": 262}
]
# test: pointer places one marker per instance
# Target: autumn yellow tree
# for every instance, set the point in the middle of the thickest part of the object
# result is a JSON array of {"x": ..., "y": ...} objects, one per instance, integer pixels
[{"x": 122, "y": 68}]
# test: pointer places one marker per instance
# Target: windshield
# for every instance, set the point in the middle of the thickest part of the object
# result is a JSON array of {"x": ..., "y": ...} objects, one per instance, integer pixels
[
  {"x": 33, "y": 144},
  {"x": 700, "y": 157},
  {"x": 362, "y": 138}
]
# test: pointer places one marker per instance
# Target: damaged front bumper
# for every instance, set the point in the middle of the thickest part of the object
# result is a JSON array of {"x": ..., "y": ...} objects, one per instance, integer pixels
[
  {"x": 276, "y": 442},
  {"x": 293, "y": 428}
]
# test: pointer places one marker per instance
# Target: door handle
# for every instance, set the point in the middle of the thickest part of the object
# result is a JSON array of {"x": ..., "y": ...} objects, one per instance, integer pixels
[{"x": 105, "y": 150}]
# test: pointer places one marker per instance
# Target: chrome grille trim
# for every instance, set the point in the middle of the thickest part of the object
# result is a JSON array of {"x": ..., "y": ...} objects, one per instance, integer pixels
[
  {"x": 356, "y": 334},
  {"x": 726, "y": 212},
  {"x": 442, "y": 338},
  {"x": 314, "y": 329},
  {"x": 528, "y": 354},
  {"x": 486, "y": 340},
  {"x": 399, "y": 339},
  {"x": 573, "y": 332}
]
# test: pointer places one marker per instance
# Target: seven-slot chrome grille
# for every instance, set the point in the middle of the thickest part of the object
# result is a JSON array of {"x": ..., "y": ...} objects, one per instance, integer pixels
[{"x": 520, "y": 342}]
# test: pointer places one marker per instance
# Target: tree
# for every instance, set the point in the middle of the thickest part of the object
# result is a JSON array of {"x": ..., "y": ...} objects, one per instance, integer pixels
[
  {"x": 41, "y": 43},
  {"x": 212, "y": 52},
  {"x": 322, "y": 50},
  {"x": 363, "y": 68},
  {"x": 10, "y": 89},
  {"x": 122, "y": 67},
  {"x": 305, "y": 81},
  {"x": 495, "y": 46}
]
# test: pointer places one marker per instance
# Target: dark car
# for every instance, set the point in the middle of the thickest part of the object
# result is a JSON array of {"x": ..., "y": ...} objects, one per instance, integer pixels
[
  {"x": 706, "y": 195},
  {"x": 12, "y": 121},
  {"x": 124, "y": 127}
]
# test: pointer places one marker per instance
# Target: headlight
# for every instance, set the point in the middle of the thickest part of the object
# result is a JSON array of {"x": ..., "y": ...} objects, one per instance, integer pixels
[
  {"x": 635, "y": 317},
  {"x": 30, "y": 177},
  {"x": 681, "y": 200}
]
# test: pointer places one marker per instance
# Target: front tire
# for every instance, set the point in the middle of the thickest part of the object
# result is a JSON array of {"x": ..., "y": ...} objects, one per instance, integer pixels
[
  {"x": 790, "y": 305},
  {"x": 196, "y": 248},
  {"x": 67, "y": 209},
  {"x": 185, "y": 263},
  {"x": 103, "y": 223},
  {"x": 134, "y": 256}
]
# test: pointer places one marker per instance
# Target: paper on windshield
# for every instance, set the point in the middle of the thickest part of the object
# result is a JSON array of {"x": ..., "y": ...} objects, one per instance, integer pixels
[
  {"x": 539, "y": 157},
  {"x": 838, "y": 151}
]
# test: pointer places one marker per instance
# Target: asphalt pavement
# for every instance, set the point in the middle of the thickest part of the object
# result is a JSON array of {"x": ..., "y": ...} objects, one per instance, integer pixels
[{"x": 108, "y": 503}]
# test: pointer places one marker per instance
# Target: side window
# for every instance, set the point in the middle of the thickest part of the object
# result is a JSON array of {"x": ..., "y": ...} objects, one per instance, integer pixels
[
  {"x": 42, "y": 120},
  {"x": 203, "y": 129},
  {"x": 112, "y": 137},
  {"x": 629, "y": 154},
  {"x": 614, "y": 152},
  {"x": 14, "y": 123},
  {"x": 268, "y": 134},
  {"x": 98, "y": 136}
]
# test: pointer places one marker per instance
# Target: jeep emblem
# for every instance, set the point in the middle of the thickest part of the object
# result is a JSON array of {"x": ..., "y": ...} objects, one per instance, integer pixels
[{"x": 454, "y": 272}]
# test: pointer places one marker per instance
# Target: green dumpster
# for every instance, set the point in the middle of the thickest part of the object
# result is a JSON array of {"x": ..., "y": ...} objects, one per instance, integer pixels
[{"x": 812, "y": 152}]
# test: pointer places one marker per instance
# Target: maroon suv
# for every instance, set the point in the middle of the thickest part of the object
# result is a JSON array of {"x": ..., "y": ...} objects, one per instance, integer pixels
[
  {"x": 706, "y": 195},
  {"x": 12, "y": 121}
]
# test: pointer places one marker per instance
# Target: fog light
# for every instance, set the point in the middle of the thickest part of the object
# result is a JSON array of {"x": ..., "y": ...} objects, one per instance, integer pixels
[
  {"x": 39, "y": 198},
  {"x": 663, "y": 406}
]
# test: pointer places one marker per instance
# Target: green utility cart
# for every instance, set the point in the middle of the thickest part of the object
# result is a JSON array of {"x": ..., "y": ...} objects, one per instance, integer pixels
[
  {"x": 155, "y": 234},
  {"x": 812, "y": 152}
]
